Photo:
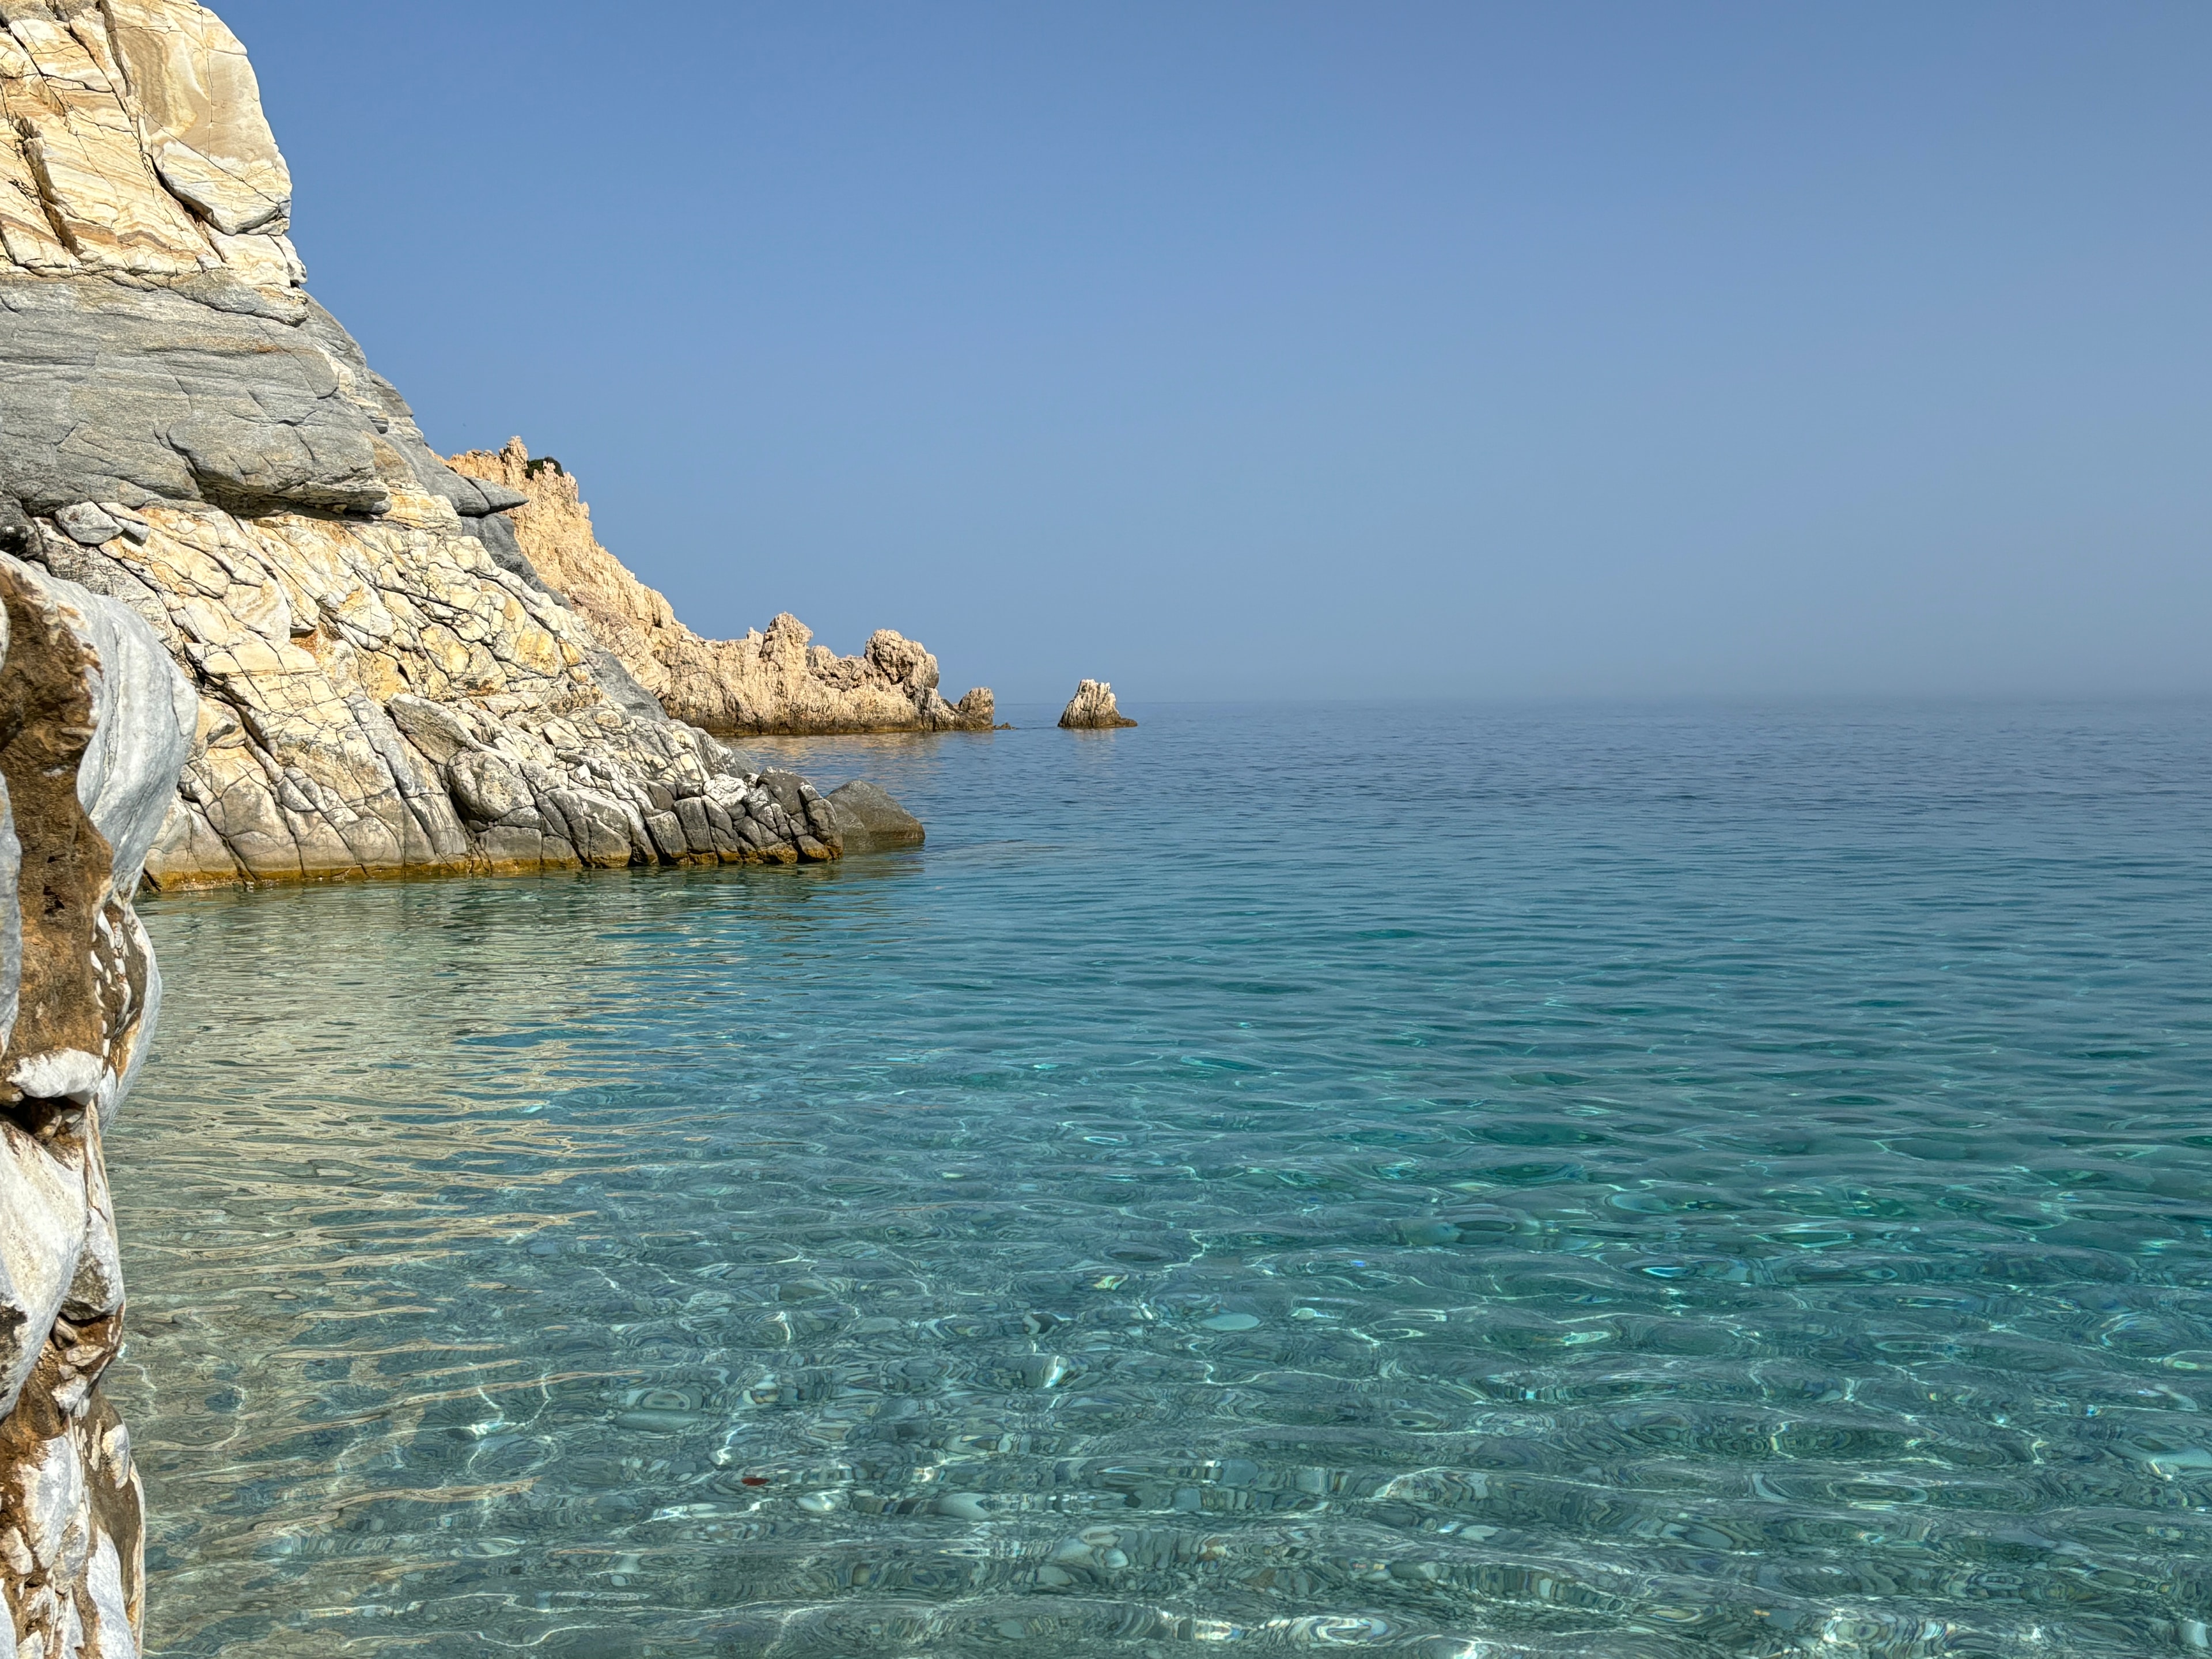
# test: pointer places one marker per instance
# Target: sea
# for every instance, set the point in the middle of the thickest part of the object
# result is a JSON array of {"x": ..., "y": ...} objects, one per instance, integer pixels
[{"x": 1462, "y": 1182}]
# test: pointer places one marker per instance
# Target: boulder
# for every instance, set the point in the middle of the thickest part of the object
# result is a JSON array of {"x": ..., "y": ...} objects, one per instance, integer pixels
[
  {"x": 870, "y": 821},
  {"x": 87, "y": 525}
]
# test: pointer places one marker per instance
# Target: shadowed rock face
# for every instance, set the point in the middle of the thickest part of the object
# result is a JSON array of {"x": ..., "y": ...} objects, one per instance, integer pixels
[
  {"x": 384, "y": 683},
  {"x": 774, "y": 682},
  {"x": 94, "y": 722}
]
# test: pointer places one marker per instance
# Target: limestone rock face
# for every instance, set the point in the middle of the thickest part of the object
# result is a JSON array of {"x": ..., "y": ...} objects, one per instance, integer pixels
[
  {"x": 381, "y": 680},
  {"x": 776, "y": 681},
  {"x": 134, "y": 144},
  {"x": 1091, "y": 710},
  {"x": 95, "y": 723},
  {"x": 201, "y": 107}
]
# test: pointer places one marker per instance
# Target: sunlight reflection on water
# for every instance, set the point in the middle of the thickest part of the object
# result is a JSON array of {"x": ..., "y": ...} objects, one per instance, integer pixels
[{"x": 1557, "y": 1183}]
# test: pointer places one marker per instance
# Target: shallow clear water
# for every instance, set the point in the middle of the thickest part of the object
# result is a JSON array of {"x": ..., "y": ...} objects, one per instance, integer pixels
[{"x": 1713, "y": 1182}]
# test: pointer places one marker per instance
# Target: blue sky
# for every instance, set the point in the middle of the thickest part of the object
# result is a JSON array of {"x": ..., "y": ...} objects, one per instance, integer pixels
[{"x": 1278, "y": 349}]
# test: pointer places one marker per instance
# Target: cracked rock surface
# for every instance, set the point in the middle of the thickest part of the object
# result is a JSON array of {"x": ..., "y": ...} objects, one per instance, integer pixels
[{"x": 385, "y": 683}]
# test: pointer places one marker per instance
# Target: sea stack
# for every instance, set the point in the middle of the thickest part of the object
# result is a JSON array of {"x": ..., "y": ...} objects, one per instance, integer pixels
[{"x": 1091, "y": 710}]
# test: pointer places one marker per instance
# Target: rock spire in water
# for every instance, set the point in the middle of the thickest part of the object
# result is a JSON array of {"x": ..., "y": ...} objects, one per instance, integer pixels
[{"x": 1091, "y": 710}]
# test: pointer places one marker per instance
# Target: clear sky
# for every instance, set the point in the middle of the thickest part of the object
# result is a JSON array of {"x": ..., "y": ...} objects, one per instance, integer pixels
[{"x": 1261, "y": 348}]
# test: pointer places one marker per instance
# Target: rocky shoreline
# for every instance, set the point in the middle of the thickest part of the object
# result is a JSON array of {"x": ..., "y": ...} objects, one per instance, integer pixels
[
  {"x": 778, "y": 682},
  {"x": 387, "y": 683},
  {"x": 257, "y": 630}
]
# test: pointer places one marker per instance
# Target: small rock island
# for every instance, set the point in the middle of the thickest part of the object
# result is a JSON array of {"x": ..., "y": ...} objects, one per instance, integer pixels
[{"x": 1091, "y": 710}]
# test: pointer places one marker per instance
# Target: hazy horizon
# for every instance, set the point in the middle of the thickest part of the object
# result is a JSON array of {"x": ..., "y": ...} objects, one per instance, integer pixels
[{"x": 1586, "y": 352}]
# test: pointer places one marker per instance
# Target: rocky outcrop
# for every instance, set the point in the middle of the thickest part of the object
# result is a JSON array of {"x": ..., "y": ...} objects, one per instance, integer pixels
[
  {"x": 776, "y": 681},
  {"x": 1091, "y": 710},
  {"x": 95, "y": 723},
  {"x": 383, "y": 682}
]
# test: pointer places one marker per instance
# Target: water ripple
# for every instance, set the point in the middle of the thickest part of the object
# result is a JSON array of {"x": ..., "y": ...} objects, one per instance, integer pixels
[{"x": 1562, "y": 1183}]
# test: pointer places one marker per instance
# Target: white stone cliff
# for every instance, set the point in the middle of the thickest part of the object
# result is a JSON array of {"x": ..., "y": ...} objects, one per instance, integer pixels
[{"x": 384, "y": 683}]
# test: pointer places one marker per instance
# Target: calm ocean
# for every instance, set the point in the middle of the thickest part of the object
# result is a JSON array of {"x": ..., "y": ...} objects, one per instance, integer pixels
[{"x": 1435, "y": 1182}]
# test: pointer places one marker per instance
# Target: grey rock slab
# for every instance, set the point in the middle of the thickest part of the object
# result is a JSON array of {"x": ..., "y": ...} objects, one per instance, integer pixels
[
  {"x": 667, "y": 830},
  {"x": 138, "y": 395},
  {"x": 436, "y": 730},
  {"x": 133, "y": 527},
  {"x": 698, "y": 828},
  {"x": 622, "y": 689},
  {"x": 86, "y": 526},
  {"x": 784, "y": 789},
  {"x": 871, "y": 820}
]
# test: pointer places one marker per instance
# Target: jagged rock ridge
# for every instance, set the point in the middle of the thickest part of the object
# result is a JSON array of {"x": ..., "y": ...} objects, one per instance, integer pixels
[
  {"x": 773, "y": 682},
  {"x": 384, "y": 685}
]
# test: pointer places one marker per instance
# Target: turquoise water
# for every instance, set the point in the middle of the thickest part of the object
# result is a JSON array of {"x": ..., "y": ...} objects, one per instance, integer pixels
[{"x": 1421, "y": 1180}]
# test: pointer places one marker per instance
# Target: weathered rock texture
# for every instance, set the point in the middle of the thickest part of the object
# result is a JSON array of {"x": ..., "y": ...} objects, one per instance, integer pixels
[
  {"x": 773, "y": 682},
  {"x": 384, "y": 683},
  {"x": 1091, "y": 710},
  {"x": 95, "y": 723}
]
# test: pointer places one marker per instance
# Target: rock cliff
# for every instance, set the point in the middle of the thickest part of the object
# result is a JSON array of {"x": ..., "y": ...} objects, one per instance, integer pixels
[
  {"x": 771, "y": 682},
  {"x": 94, "y": 722},
  {"x": 384, "y": 683}
]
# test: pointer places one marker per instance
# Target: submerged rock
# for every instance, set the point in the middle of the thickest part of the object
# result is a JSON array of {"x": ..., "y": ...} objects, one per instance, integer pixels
[
  {"x": 871, "y": 820},
  {"x": 94, "y": 722},
  {"x": 384, "y": 682},
  {"x": 1091, "y": 710}
]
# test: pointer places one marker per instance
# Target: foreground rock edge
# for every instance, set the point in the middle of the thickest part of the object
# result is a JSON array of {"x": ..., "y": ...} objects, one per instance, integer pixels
[{"x": 96, "y": 722}]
